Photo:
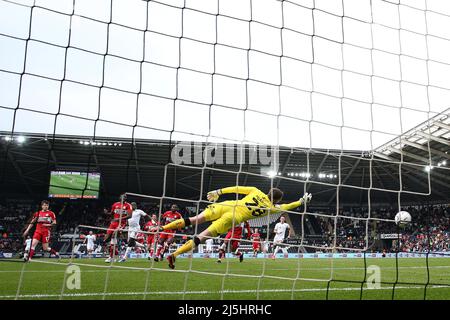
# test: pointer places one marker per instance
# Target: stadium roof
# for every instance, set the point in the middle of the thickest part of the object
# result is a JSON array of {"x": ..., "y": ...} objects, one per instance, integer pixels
[
  {"x": 143, "y": 166},
  {"x": 427, "y": 143}
]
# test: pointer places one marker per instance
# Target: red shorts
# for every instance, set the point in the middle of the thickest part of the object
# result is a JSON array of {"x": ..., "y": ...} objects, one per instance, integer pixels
[
  {"x": 150, "y": 239},
  {"x": 234, "y": 245},
  {"x": 42, "y": 236},
  {"x": 166, "y": 235},
  {"x": 236, "y": 235},
  {"x": 113, "y": 226},
  {"x": 256, "y": 245}
]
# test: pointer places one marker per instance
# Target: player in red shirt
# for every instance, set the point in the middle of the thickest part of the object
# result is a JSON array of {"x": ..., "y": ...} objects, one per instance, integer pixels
[
  {"x": 234, "y": 235},
  {"x": 166, "y": 238},
  {"x": 121, "y": 211},
  {"x": 44, "y": 220},
  {"x": 151, "y": 237},
  {"x": 256, "y": 242},
  {"x": 140, "y": 238}
]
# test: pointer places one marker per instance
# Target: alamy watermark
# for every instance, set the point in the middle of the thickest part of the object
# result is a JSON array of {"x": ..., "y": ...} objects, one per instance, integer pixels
[
  {"x": 199, "y": 153},
  {"x": 73, "y": 280},
  {"x": 374, "y": 277}
]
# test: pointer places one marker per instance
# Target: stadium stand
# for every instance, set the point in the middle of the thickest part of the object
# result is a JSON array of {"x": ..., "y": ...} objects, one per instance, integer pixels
[{"x": 430, "y": 229}]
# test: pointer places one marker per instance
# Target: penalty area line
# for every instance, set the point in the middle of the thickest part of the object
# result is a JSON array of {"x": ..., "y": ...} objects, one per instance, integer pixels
[{"x": 205, "y": 292}]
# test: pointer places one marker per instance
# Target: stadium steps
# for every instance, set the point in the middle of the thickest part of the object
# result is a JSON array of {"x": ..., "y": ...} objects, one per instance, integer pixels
[
  {"x": 65, "y": 248},
  {"x": 296, "y": 223},
  {"x": 315, "y": 226}
]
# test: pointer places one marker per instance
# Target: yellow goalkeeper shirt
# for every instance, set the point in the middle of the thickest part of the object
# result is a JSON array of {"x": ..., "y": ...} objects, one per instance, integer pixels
[{"x": 256, "y": 203}]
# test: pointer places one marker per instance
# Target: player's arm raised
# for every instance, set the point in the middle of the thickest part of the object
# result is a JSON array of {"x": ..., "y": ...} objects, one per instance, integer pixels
[
  {"x": 247, "y": 227},
  {"x": 146, "y": 217},
  {"x": 30, "y": 225},
  {"x": 215, "y": 194},
  {"x": 290, "y": 206}
]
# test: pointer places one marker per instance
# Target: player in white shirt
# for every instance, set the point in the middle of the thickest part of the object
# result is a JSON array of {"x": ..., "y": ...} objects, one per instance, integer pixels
[
  {"x": 134, "y": 227},
  {"x": 209, "y": 245},
  {"x": 89, "y": 240},
  {"x": 280, "y": 235},
  {"x": 265, "y": 247},
  {"x": 27, "y": 248}
]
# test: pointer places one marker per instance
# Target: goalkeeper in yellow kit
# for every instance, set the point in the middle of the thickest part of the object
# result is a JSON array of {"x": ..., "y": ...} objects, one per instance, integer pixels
[{"x": 227, "y": 214}]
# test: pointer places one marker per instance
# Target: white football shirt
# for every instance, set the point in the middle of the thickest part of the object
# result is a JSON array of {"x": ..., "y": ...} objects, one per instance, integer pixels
[
  {"x": 90, "y": 240},
  {"x": 209, "y": 244},
  {"x": 133, "y": 222},
  {"x": 280, "y": 230}
]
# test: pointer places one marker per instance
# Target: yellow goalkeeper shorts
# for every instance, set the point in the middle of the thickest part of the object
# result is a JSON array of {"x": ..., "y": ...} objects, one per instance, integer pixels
[
  {"x": 216, "y": 210},
  {"x": 222, "y": 214}
]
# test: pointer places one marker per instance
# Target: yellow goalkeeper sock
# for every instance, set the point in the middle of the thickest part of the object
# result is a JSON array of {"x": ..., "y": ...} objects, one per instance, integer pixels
[
  {"x": 188, "y": 246},
  {"x": 177, "y": 224}
]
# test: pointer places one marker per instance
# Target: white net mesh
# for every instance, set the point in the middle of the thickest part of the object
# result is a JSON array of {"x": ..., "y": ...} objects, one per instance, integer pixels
[{"x": 337, "y": 89}]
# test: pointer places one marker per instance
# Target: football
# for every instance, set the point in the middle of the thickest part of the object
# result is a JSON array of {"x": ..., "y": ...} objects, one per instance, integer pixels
[{"x": 402, "y": 218}]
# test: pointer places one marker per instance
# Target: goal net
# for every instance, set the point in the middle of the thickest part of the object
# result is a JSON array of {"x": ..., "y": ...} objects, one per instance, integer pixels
[{"x": 167, "y": 100}]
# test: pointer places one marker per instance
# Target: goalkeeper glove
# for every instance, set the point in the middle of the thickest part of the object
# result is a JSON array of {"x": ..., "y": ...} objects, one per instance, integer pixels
[
  {"x": 213, "y": 195},
  {"x": 306, "y": 198}
]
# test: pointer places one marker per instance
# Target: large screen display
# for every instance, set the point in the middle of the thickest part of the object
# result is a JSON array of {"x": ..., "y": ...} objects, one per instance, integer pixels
[{"x": 74, "y": 185}]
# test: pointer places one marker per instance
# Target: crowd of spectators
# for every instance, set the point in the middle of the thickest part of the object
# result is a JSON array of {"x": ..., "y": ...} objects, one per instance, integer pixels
[
  {"x": 69, "y": 215},
  {"x": 429, "y": 230},
  {"x": 432, "y": 230}
]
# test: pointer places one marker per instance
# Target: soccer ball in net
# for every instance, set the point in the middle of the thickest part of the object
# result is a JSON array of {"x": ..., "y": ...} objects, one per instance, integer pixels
[{"x": 402, "y": 218}]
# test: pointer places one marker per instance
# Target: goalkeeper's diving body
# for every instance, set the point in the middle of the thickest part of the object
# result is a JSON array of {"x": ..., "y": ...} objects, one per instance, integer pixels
[{"x": 224, "y": 215}]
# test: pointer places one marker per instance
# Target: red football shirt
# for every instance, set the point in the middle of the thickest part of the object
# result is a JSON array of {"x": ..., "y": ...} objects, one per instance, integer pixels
[
  {"x": 44, "y": 217},
  {"x": 256, "y": 237},
  {"x": 237, "y": 231},
  {"x": 150, "y": 224},
  {"x": 168, "y": 217},
  {"x": 119, "y": 209},
  {"x": 140, "y": 237}
]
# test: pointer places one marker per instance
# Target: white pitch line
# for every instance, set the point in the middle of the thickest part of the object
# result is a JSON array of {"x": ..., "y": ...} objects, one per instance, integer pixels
[
  {"x": 205, "y": 292},
  {"x": 138, "y": 269},
  {"x": 122, "y": 266}
]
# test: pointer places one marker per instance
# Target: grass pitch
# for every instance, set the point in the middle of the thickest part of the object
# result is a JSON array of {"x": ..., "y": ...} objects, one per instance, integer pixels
[{"x": 263, "y": 279}]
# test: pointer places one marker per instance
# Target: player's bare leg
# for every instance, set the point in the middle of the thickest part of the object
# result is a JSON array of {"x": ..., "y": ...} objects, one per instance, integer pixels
[
  {"x": 275, "y": 251},
  {"x": 108, "y": 247},
  {"x": 113, "y": 250},
  {"x": 221, "y": 255},
  {"x": 222, "y": 251},
  {"x": 153, "y": 249},
  {"x": 106, "y": 239},
  {"x": 188, "y": 246},
  {"x": 34, "y": 244},
  {"x": 237, "y": 253},
  {"x": 159, "y": 248},
  {"x": 26, "y": 254},
  {"x": 164, "y": 249},
  {"x": 46, "y": 247},
  {"x": 167, "y": 245},
  {"x": 132, "y": 243},
  {"x": 285, "y": 251},
  {"x": 150, "y": 250}
]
